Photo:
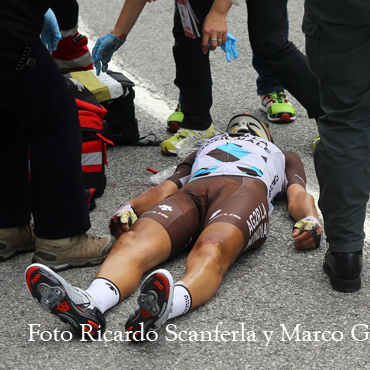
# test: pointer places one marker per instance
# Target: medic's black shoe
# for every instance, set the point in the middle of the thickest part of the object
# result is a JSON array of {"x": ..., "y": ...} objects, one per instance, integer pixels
[
  {"x": 344, "y": 270},
  {"x": 72, "y": 305},
  {"x": 155, "y": 304}
]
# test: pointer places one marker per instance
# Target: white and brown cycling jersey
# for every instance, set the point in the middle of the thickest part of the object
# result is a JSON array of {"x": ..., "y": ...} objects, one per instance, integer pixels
[
  {"x": 227, "y": 180},
  {"x": 246, "y": 155}
]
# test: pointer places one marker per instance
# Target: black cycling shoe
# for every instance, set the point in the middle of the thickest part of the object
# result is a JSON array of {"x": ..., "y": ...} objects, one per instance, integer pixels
[
  {"x": 72, "y": 305},
  {"x": 155, "y": 304},
  {"x": 344, "y": 270}
]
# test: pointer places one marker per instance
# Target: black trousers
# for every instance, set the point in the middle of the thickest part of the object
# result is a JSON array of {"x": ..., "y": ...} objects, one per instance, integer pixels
[
  {"x": 338, "y": 55},
  {"x": 66, "y": 12},
  {"x": 39, "y": 116},
  {"x": 266, "y": 25}
]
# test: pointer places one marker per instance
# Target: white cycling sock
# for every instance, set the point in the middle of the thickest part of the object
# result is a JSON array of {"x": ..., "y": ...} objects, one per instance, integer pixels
[
  {"x": 181, "y": 300},
  {"x": 104, "y": 293}
]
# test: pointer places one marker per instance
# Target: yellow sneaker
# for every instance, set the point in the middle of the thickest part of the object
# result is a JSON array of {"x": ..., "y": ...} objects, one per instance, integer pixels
[
  {"x": 175, "y": 119},
  {"x": 278, "y": 107},
  {"x": 192, "y": 136},
  {"x": 316, "y": 141}
]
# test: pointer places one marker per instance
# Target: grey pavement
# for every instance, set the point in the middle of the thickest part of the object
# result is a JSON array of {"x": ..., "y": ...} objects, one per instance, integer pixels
[{"x": 275, "y": 308}]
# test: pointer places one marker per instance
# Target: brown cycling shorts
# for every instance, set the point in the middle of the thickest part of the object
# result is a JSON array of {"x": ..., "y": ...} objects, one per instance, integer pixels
[{"x": 237, "y": 200}]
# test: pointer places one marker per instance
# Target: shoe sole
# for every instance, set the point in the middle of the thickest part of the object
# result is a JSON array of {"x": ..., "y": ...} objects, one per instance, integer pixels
[
  {"x": 62, "y": 265},
  {"x": 281, "y": 117},
  {"x": 48, "y": 291},
  {"x": 155, "y": 295},
  {"x": 17, "y": 250},
  {"x": 166, "y": 151},
  {"x": 173, "y": 126},
  {"x": 344, "y": 286}
]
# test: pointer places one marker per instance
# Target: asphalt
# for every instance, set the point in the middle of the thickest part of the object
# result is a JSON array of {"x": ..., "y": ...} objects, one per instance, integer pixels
[{"x": 275, "y": 308}]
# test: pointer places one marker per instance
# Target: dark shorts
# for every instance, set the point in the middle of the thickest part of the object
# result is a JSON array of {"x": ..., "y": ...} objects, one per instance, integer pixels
[{"x": 239, "y": 201}]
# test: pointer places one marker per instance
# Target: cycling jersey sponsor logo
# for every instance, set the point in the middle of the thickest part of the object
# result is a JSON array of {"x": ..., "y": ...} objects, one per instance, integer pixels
[
  {"x": 257, "y": 230},
  {"x": 214, "y": 214},
  {"x": 156, "y": 213},
  {"x": 256, "y": 217},
  {"x": 218, "y": 214},
  {"x": 164, "y": 207},
  {"x": 260, "y": 233}
]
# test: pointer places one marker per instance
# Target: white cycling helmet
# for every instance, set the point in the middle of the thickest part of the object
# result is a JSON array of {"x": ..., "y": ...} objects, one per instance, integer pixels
[{"x": 246, "y": 123}]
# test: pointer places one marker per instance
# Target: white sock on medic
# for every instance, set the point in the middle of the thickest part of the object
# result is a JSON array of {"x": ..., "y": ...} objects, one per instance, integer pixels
[
  {"x": 181, "y": 300},
  {"x": 104, "y": 293}
]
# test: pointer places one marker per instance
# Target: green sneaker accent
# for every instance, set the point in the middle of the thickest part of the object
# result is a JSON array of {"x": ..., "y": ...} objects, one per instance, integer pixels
[
  {"x": 314, "y": 144},
  {"x": 278, "y": 107},
  {"x": 175, "y": 119},
  {"x": 192, "y": 136}
]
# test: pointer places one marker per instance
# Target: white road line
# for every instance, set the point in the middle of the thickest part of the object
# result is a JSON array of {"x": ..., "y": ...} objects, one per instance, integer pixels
[
  {"x": 158, "y": 105},
  {"x": 146, "y": 95}
]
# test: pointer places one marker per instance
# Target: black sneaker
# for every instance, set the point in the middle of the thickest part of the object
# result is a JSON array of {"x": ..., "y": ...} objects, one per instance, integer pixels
[
  {"x": 72, "y": 305},
  {"x": 155, "y": 304}
]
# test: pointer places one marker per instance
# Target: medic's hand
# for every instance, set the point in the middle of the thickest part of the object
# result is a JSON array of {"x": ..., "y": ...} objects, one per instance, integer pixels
[
  {"x": 122, "y": 220},
  {"x": 214, "y": 31},
  {"x": 50, "y": 34},
  {"x": 229, "y": 47},
  {"x": 307, "y": 233},
  {"x": 103, "y": 51}
]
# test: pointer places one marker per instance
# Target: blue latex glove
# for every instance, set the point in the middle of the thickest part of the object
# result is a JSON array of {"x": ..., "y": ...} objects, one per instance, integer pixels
[
  {"x": 50, "y": 34},
  {"x": 229, "y": 47},
  {"x": 103, "y": 51}
]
